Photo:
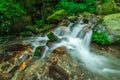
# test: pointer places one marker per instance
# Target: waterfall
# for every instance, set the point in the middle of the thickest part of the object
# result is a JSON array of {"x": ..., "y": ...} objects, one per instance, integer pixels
[{"x": 77, "y": 43}]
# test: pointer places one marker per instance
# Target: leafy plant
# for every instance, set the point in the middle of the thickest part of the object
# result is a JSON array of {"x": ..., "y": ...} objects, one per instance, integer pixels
[
  {"x": 101, "y": 38},
  {"x": 40, "y": 23}
]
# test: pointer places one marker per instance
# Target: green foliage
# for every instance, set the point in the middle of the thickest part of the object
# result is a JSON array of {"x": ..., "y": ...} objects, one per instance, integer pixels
[
  {"x": 26, "y": 33},
  {"x": 40, "y": 23},
  {"x": 73, "y": 7},
  {"x": 70, "y": 7},
  {"x": 101, "y": 38},
  {"x": 9, "y": 9}
]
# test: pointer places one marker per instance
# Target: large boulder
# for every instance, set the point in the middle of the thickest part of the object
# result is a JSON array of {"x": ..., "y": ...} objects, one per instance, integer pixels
[{"x": 112, "y": 23}]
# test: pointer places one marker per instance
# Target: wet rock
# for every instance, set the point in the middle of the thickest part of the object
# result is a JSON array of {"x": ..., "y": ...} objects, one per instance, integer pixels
[
  {"x": 52, "y": 37},
  {"x": 49, "y": 43},
  {"x": 39, "y": 51},
  {"x": 60, "y": 50},
  {"x": 87, "y": 28},
  {"x": 16, "y": 50},
  {"x": 58, "y": 73}
]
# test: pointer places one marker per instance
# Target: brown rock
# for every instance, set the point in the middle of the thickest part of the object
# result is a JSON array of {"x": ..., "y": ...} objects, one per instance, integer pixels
[{"x": 60, "y": 50}]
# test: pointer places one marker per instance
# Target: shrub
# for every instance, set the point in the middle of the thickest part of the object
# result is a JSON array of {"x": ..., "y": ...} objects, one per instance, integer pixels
[
  {"x": 40, "y": 23},
  {"x": 72, "y": 7},
  {"x": 101, "y": 38}
]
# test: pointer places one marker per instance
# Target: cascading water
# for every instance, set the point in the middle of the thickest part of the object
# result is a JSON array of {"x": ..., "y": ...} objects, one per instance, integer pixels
[{"x": 77, "y": 43}]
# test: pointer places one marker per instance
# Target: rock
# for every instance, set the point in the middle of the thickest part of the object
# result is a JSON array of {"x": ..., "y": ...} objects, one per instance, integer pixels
[
  {"x": 54, "y": 59},
  {"x": 49, "y": 43},
  {"x": 60, "y": 50},
  {"x": 112, "y": 23},
  {"x": 58, "y": 73},
  {"x": 16, "y": 50},
  {"x": 57, "y": 16},
  {"x": 52, "y": 37},
  {"x": 39, "y": 51},
  {"x": 72, "y": 18}
]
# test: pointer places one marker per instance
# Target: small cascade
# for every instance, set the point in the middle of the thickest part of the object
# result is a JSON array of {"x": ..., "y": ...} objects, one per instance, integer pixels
[{"x": 77, "y": 43}]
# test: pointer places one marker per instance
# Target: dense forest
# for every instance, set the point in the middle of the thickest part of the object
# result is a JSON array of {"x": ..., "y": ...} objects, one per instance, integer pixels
[{"x": 38, "y": 35}]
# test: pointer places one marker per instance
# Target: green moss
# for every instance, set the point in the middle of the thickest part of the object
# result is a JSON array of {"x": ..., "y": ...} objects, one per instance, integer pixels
[
  {"x": 40, "y": 23},
  {"x": 112, "y": 23},
  {"x": 46, "y": 28},
  {"x": 26, "y": 33},
  {"x": 60, "y": 14},
  {"x": 52, "y": 36}
]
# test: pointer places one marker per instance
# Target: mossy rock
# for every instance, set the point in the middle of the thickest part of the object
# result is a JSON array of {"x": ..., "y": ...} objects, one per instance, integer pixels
[
  {"x": 72, "y": 18},
  {"x": 52, "y": 37},
  {"x": 39, "y": 51},
  {"x": 45, "y": 28},
  {"x": 26, "y": 33},
  {"x": 33, "y": 29},
  {"x": 57, "y": 16},
  {"x": 112, "y": 23}
]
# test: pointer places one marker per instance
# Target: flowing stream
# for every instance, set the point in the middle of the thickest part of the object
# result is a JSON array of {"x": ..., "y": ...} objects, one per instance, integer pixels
[{"x": 77, "y": 42}]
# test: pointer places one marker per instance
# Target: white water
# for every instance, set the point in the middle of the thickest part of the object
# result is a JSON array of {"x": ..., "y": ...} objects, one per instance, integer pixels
[{"x": 77, "y": 43}]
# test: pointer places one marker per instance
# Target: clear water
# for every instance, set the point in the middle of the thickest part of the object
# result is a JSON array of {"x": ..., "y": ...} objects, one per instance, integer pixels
[{"x": 77, "y": 43}]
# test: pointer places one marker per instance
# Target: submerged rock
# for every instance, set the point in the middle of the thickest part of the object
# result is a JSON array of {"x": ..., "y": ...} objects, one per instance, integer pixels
[
  {"x": 15, "y": 51},
  {"x": 58, "y": 73}
]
